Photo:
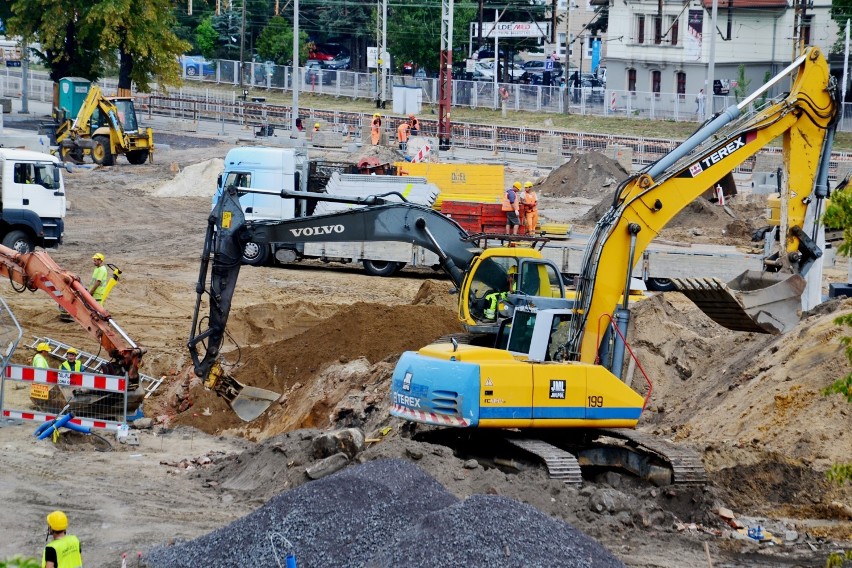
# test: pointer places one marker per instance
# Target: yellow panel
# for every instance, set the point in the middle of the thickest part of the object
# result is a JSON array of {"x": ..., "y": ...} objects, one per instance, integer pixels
[
  {"x": 615, "y": 393},
  {"x": 460, "y": 182},
  {"x": 466, "y": 353},
  {"x": 505, "y": 396},
  {"x": 561, "y": 386}
]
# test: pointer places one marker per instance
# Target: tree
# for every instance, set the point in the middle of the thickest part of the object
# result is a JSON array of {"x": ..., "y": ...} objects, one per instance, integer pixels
[
  {"x": 741, "y": 90},
  {"x": 275, "y": 42},
  {"x": 414, "y": 31},
  {"x": 205, "y": 38},
  {"x": 81, "y": 38}
]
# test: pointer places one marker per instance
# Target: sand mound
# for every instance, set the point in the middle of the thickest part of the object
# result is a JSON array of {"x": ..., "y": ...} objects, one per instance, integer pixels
[
  {"x": 198, "y": 180},
  {"x": 384, "y": 154},
  {"x": 587, "y": 176}
]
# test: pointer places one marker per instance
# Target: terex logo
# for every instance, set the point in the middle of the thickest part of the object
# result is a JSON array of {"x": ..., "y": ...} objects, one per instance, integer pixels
[
  {"x": 722, "y": 153},
  {"x": 405, "y": 400},
  {"x": 320, "y": 230}
]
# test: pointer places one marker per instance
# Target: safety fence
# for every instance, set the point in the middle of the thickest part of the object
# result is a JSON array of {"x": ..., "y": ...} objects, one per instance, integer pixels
[{"x": 96, "y": 400}]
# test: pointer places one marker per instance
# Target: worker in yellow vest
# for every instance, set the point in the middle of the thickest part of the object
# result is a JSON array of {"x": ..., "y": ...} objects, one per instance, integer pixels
[
  {"x": 71, "y": 364},
  {"x": 99, "y": 278},
  {"x": 39, "y": 359},
  {"x": 63, "y": 550},
  {"x": 530, "y": 201}
]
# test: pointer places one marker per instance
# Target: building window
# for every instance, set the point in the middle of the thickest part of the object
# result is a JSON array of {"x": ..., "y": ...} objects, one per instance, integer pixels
[
  {"x": 680, "y": 79},
  {"x": 673, "y": 31},
  {"x": 631, "y": 80},
  {"x": 656, "y": 81},
  {"x": 640, "y": 29},
  {"x": 658, "y": 30},
  {"x": 806, "y": 29}
]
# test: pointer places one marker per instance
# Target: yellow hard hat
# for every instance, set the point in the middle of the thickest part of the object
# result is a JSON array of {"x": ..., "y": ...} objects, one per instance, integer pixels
[
  {"x": 57, "y": 521},
  {"x": 528, "y": 184},
  {"x": 375, "y": 115},
  {"x": 517, "y": 185},
  {"x": 98, "y": 256},
  {"x": 42, "y": 347},
  {"x": 71, "y": 351},
  {"x": 316, "y": 125},
  {"x": 513, "y": 270}
]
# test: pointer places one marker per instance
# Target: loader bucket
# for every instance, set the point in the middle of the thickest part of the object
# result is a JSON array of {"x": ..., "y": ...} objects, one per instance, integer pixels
[
  {"x": 756, "y": 301},
  {"x": 251, "y": 402}
]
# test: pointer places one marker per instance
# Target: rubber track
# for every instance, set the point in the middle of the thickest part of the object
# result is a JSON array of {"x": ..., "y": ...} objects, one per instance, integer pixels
[
  {"x": 687, "y": 467},
  {"x": 560, "y": 464}
]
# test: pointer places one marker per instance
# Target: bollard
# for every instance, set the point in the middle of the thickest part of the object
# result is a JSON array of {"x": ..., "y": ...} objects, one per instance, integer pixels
[{"x": 291, "y": 561}]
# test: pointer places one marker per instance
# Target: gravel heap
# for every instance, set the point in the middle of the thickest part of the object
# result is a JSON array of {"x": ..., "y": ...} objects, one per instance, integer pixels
[{"x": 389, "y": 513}]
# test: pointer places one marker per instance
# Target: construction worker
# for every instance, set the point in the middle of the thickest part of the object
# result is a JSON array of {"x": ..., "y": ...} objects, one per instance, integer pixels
[
  {"x": 492, "y": 299},
  {"x": 62, "y": 550},
  {"x": 376, "y": 129},
  {"x": 71, "y": 363},
  {"x": 99, "y": 278},
  {"x": 510, "y": 206},
  {"x": 402, "y": 135},
  {"x": 530, "y": 201},
  {"x": 39, "y": 359},
  {"x": 316, "y": 127},
  {"x": 414, "y": 124}
]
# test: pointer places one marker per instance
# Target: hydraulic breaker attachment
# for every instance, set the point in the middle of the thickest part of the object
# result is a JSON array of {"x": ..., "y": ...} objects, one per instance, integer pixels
[
  {"x": 247, "y": 402},
  {"x": 762, "y": 302}
]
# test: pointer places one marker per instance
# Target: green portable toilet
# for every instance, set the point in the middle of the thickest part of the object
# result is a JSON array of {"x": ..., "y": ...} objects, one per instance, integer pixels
[{"x": 72, "y": 93}]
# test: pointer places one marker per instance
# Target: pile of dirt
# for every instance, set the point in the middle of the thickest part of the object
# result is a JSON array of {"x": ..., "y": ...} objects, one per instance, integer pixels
[
  {"x": 586, "y": 176},
  {"x": 318, "y": 367},
  {"x": 384, "y": 154},
  {"x": 195, "y": 180}
]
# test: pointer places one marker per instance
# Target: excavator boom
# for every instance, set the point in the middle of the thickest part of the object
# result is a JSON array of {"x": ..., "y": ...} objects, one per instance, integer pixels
[{"x": 38, "y": 271}]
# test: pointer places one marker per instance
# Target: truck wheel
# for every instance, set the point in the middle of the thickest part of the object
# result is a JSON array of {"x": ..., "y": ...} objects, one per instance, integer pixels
[
  {"x": 255, "y": 254},
  {"x": 137, "y": 157},
  {"x": 101, "y": 153},
  {"x": 660, "y": 285},
  {"x": 382, "y": 267},
  {"x": 19, "y": 241}
]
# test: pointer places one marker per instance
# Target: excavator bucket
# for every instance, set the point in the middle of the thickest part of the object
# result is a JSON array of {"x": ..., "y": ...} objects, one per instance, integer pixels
[
  {"x": 762, "y": 302},
  {"x": 247, "y": 402},
  {"x": 251, "y": 402}
]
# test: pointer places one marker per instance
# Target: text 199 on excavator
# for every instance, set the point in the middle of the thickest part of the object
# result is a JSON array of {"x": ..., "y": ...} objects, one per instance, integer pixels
[{"x": 552, "y": 360}]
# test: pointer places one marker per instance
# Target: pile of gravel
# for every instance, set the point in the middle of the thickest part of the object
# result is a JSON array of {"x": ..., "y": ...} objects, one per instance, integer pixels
[{"x": 388, "y": 513}]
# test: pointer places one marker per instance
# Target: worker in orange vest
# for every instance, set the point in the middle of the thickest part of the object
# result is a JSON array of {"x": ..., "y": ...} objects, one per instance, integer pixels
[
  {"x": 510, "y": 206},
  {"x": 414, "y": 124},
  {"x": 376, "y": 129},
  {"x": 402, "y": 135},
  {"x": 530, "y": 201}
]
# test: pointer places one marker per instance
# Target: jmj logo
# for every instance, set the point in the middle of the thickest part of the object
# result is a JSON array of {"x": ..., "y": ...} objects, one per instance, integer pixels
[{"x": 557, "y": 389}]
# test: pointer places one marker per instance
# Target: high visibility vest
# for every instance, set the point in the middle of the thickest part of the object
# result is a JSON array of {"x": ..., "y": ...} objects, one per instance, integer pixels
[
  {"x": 415, "y": 125},
  {"x": 530, "y": 199},
  {"x": 99, "y": 273},
  {"x": 67, "y": 552},
  {"x": 507, "y": 203},
  {"x": 66, "y": 366},
  {"x": 402, "y": 133},
  {"x": 40, "y": 362}
]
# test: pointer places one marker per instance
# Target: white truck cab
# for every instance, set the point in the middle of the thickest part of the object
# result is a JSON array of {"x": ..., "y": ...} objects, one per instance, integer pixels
[{"x": 32, "y": 211}]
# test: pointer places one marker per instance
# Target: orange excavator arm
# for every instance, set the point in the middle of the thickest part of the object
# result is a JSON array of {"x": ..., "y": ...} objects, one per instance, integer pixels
[{"x": 38, "y": 271}]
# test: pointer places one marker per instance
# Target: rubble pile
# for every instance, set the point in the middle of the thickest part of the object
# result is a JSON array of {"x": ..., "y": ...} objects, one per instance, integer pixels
[{"x": 388, "y": 513}]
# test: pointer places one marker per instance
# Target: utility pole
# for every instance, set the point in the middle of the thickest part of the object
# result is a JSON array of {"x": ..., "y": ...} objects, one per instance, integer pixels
[
  {"x": 445, "y": 78},
  {"x": 294, "y": 76},
  {"x": 382, "y": 14},
  {"x": 242, "y": 44},
  {"x": 709, "y": 95},
  {"x": 25, "y": 78}
]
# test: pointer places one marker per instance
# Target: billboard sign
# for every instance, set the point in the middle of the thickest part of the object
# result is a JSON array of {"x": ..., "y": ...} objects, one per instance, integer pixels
[{"x": 491, "y": 30}]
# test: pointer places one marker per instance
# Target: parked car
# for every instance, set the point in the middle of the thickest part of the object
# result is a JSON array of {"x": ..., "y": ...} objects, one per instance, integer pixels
[
  {"x": 339, "y": 63},
  {"x": 593, "y": 90},
  {"x": 317, "y": 74},
  {"x": 327, "y": 52},
  {"x": 197, "y": 66},
  {"x": 536, "y": 66}
]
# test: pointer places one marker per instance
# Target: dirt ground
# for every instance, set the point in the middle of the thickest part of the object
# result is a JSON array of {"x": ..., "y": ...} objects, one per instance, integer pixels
[{"x": 327, "y": 339}]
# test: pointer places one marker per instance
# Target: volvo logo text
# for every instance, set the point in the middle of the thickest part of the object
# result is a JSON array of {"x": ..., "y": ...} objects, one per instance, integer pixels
[{"x": 321, "y": 230}]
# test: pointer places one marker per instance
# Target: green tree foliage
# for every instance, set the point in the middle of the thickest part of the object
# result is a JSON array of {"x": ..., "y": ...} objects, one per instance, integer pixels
[
  {"x": 839, "y": 214},
  {"x": 275, "y": 42},
  {"x": 141, "y": 32},
  {"x": 741, "y": 90},
  {"x": 206, "y": 38},
  {"x": 81, "y": 37},
  {"x": 19, "y": 561},
  {"x": 414, "y": 31}
]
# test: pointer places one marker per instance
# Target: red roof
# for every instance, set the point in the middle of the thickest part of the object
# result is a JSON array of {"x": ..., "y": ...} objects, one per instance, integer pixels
[{"x": 750, "y": 4}]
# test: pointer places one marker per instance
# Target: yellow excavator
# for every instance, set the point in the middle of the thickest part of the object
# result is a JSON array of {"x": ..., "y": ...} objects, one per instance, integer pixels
[
  {"x": 550, "y": 363},
  {"x": 555, "y": 376},
  {"x": 104, "y": 128}
]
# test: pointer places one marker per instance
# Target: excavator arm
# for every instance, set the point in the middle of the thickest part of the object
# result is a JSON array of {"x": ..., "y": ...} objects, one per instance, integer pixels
[
  {"x": 228, "y": 232},
  {"x": 38, "y": 271},
  {"x": 645, "y": 203}
]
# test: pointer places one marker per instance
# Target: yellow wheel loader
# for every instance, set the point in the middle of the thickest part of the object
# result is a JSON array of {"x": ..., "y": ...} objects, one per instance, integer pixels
[{"x": 105, "y": 127}]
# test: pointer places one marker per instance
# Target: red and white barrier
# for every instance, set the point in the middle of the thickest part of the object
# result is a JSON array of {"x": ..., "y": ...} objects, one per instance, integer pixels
[
  {"x": 35, "y": 416},
  {"x": 421, "y": 155},
  {"x": 64, "y": 378},
  {"x": 427, "y": 417}
]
